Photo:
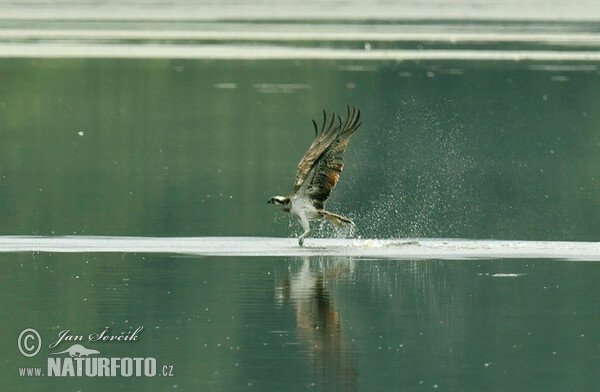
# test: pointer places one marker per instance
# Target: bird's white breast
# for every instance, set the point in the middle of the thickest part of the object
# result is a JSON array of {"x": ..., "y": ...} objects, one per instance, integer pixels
[{"x": 303, "y": 207}]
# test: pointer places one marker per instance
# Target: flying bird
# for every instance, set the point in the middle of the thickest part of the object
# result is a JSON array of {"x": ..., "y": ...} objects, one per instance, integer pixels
[{"x": 318, "y": 172}]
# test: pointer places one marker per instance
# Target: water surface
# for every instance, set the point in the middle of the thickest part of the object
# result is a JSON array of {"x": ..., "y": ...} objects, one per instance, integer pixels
[
  {"x": 467, "y": 149},
  {"x": 317, "y": 323}
]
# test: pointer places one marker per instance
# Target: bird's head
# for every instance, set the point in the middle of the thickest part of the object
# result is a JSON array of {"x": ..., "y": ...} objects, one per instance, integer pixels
[{"x": 279, "y": 201}]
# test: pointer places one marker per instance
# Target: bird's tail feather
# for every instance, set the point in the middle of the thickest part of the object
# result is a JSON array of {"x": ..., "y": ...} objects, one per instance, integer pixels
[{"x": 335, "y": 218}]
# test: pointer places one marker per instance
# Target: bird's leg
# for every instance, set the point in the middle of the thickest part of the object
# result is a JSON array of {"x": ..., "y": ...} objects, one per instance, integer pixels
[{"x": 306, "y": 226}]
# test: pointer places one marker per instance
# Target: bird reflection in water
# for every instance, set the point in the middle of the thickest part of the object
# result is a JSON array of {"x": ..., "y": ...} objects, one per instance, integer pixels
[{"x": 319, "y": 323}]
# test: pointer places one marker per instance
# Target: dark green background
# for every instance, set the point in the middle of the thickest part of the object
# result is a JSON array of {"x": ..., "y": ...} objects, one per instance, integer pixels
[
  {"x": 324, "y": 324},
  {"x": 447, "y": 149}
]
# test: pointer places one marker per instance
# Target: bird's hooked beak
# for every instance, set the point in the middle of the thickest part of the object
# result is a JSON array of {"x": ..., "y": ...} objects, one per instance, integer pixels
[{"x": 270, "y": 201}]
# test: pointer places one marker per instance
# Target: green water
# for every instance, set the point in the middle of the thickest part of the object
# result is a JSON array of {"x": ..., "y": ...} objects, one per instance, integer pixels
[
  {"x": 270, "y": 324},
  {"x": 492, "y": 150},
  {"x": 505, "y": 150}
]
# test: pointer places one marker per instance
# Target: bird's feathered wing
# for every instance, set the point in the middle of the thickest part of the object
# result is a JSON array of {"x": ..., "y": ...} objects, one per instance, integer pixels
[{"x": 320, "y": 168}]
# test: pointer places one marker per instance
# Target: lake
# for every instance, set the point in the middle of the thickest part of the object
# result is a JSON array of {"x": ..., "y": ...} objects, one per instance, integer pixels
[{"x": 138, "y": 153}]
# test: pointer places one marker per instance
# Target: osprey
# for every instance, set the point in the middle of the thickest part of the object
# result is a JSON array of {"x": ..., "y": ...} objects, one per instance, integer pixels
[{"x": 318, "y": 172}]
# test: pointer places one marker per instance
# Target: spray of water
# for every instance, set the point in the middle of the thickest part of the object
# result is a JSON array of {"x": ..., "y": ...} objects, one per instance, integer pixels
[{"x": 418, "y": 180}]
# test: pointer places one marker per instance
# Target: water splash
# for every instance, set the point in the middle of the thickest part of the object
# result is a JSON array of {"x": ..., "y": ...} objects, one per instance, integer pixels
[{"x": 425, "y": 188}]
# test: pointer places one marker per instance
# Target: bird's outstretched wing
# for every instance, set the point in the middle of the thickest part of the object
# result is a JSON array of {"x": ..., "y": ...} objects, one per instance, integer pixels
[{"x": 320, "y": 168}]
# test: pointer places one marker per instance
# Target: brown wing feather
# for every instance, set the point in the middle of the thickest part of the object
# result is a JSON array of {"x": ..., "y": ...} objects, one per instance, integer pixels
[
  {"x": 323, "y": 162},
  {"x": 321, "y": 142}
]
